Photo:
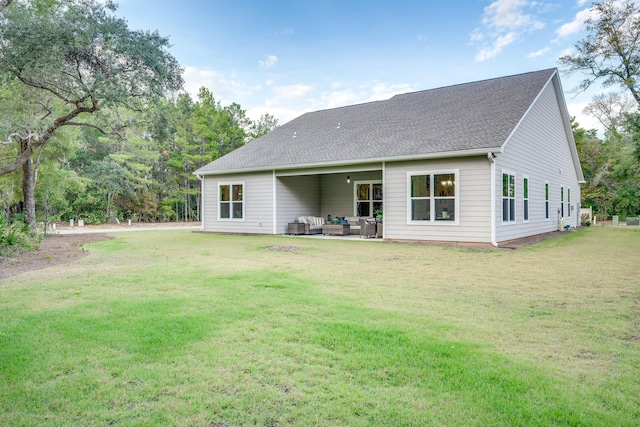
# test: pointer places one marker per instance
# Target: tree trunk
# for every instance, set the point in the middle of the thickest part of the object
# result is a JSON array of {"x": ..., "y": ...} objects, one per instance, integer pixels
[{"x": 28, "y": 193}]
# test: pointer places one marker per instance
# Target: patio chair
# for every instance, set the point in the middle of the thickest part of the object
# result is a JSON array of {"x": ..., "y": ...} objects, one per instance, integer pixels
[{"x": 367, "y": 227}]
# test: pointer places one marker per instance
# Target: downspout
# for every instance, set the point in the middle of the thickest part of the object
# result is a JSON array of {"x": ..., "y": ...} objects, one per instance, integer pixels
[
  {"x": 384, "y": 192},
  {"x": 201, "y": 178},
  {"x": 274, "y": 201},
  {"x": 492, "y": 160}
]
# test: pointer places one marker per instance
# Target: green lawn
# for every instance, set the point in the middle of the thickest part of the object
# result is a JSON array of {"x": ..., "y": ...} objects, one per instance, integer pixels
[{"x": 181, "y": 328}]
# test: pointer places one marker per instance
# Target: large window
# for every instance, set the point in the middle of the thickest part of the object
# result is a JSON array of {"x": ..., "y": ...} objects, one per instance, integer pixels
[
  {"x": 432, "y": 197},
  {"x": 508, "y": 197},
  {"x": 525, "y": 198},
  {"x": 368, "y": 198},
  {"x": 230, "y": 201},
  {"x": 546, "y": 200}
]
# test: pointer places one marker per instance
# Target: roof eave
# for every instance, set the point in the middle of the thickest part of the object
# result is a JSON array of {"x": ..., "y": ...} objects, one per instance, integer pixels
[{"x": 427, "y": 156}]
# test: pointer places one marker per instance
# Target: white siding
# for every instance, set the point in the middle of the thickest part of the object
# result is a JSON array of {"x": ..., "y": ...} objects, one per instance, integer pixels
[
  {"x": 296, "y": 196},
  {"x": 473, "y": 192},
  {"x": 540, "y": 150},
  {"x": 258, "y": 200}
]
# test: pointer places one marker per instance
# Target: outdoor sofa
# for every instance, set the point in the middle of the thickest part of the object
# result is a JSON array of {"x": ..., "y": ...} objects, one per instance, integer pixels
[{"x": 307, "y": 225}]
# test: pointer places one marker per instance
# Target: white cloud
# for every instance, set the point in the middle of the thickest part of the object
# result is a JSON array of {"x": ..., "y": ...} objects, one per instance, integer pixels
[
  {"x": 269, "y": 62},
  {"x": 510, "y": 14},
  {"x": 567, "y": 51},
  {"x": 496, "y": 47},
  {"x": 538, "y": 53},
  {"x": 477, "y": 36},
  {"x": 283, "y": 115},
  {"x": 340, "y": 98},
  {"x": 296, "y": 91},
  {"x": 291, "y": 101},
  {"x": 375, "y": 91},
  {"x": 224, "y": 88},
  {"x": 585, "y": 121},
  {"x": 576, "y": 25},
  {"x": 506, "y": 22},
  {"x": 289, "y": 93},
  {"x": 380, "y": 91}
]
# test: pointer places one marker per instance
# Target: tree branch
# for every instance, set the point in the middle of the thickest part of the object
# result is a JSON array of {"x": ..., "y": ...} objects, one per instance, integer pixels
[
  {"x": 90, "y": 125},
  {"x": 44, "y": 138}
]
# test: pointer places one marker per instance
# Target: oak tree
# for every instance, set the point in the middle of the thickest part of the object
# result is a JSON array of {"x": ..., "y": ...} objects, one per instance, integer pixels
[
  {"x": 610, "y": 52},
  {"x": 72, "y": 61}
]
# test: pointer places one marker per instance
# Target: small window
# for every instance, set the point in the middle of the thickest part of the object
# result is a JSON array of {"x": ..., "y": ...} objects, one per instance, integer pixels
[
  {"x": 568, "y": 202},
  {"x": 546, "y": 200},
  {"x": 561, "y": 202},
  {"x": 525, "y": 198},
  {"x": 508, "y": 197},
  {"x": 432, "y": 197},
  {"x": 231, "y": 203}
]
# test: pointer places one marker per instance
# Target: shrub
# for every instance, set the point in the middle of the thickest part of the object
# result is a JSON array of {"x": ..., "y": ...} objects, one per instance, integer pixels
[
  {"x": 585, "y": 220},
  {"x": 15, "y": 238}
]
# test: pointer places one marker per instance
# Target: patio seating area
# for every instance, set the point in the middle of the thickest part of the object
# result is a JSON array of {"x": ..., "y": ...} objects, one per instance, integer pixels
[{"x": 343, "y": 226}]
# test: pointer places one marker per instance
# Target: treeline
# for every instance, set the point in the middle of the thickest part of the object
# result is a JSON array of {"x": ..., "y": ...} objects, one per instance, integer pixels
[
  {"x": 143, "y": 171},
  {"x": 611, "y": 167}
]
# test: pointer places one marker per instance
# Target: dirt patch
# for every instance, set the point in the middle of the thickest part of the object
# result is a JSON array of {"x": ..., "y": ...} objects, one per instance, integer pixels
[
  {"x": 283, "y": 248},
  {"x": 54, "y": 250}
]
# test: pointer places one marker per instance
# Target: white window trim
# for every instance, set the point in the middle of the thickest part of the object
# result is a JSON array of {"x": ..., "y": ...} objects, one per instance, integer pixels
[
  {"x": 244, "y": 200},
  {"x": 355, "y": 195},
  {"x": 562, "y": 202},
  {"x": 515, "y": 198},
  {"x": 528, "y": 199},
  {"x": 432, "y": 221}
]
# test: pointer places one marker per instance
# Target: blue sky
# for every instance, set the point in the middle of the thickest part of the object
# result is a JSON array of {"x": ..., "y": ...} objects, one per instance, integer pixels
[{"x": 290, "y": 57}]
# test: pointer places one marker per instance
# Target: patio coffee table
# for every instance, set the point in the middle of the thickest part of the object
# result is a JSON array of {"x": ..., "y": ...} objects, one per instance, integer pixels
[{"x": 336, "y": 229}]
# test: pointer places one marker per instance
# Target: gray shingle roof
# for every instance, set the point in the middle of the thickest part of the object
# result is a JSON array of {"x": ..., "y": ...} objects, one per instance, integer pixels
[{"x": 465, "y": 117}]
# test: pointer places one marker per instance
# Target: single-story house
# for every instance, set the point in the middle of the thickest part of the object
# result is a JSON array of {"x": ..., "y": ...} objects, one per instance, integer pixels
[{"x": 488, "y": 161}]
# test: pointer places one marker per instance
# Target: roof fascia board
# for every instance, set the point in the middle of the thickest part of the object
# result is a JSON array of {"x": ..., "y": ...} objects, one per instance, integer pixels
[
  {"x": 330, "y": 170},
  {"x": 337, "y": 163}
]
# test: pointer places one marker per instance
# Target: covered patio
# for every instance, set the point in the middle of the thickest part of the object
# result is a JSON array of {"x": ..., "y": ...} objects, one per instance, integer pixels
[{"x": 328, "y": 194}]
